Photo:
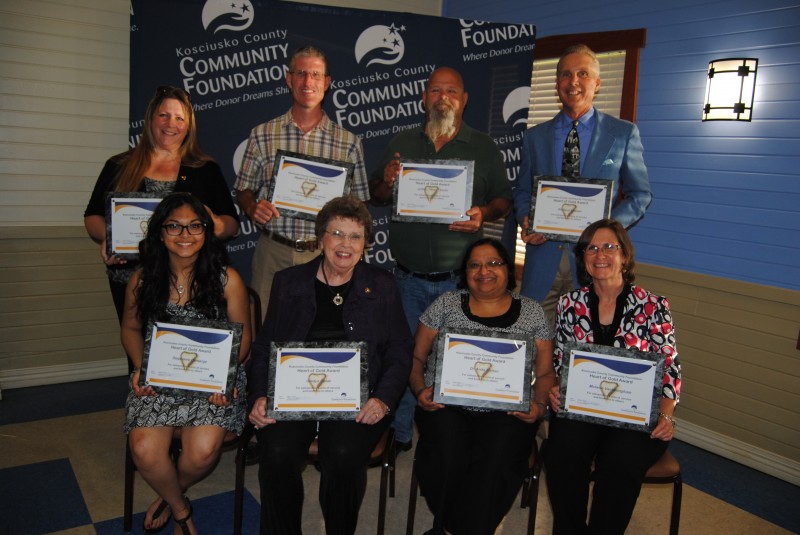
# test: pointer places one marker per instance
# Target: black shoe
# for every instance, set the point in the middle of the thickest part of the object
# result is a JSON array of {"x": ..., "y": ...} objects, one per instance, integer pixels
[{"x": 402, "y": 446}]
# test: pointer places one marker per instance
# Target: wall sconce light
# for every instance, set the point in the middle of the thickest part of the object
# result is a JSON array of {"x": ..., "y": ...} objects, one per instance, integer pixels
[{"x": 729, "y": 90}]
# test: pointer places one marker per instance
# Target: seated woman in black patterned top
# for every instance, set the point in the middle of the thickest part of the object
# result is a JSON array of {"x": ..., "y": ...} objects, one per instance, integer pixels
[{"x": 183, "y": 273}]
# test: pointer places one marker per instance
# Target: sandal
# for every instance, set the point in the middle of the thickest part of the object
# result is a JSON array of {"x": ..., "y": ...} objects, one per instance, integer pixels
[
  {"x": 157, "y": 514},
  {"x": 182, "y": 522}
]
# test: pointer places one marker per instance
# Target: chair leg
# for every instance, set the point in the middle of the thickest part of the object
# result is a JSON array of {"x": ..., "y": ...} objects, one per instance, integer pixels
[
  {"x": 677, "y": 494},
  {"x": 387, "y": 478},
  {"x": 238, "y": 500},
  {"x": 241, "y": 462},
  {"x": 533, "y": 499},
  {"x": 392, "y": 464},
  {"x": 382, "y": 498},
  {"x": 412, "y": 501},
  {"x": 523, "y": 499},
  {"x": 127, "y": 518}
]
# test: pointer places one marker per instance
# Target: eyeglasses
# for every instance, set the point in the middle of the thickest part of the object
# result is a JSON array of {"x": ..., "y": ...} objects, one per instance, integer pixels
[
  {"x": 340, "y": 236},
  {"x": 315, "y": 75},
  {"x": 174, "y": 229},
  {"x": 607, "y": 248},
  {"x": 491, "y": 264},
  {"x": 163, "y": 89}
]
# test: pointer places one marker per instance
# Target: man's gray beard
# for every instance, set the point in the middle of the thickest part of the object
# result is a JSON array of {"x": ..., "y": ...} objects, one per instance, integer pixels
[{"x": 441, "y": 122}]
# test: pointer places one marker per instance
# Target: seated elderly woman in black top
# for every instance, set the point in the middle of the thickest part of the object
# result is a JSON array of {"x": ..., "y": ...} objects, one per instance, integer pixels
[
  {"x": 335, "y": 297},
  {"x": 471, "y": 462},
  {"x": 609, "y": 310}
]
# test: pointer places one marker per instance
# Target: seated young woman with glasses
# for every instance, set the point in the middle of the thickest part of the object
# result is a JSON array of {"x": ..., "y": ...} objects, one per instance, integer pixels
[{"x": 183, "y": 273}]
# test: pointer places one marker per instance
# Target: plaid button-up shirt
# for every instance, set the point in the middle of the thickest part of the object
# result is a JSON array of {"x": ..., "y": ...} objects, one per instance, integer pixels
[{"x": 326, "y": 140}]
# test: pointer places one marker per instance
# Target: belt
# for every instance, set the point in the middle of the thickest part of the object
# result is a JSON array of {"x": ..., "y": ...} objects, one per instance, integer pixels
[
  {"x": 432, "y": 277},
  {"x": 298, "y": 245}
]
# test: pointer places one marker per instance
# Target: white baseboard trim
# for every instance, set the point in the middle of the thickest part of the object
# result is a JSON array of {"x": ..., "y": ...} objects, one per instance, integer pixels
[
  {"x": 741, "y": 452},
  {"x": 63, "y": 373}
]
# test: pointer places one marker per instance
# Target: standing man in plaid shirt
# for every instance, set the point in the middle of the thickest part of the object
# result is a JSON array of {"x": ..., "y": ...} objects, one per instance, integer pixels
[{"x": 287, "y": 241}]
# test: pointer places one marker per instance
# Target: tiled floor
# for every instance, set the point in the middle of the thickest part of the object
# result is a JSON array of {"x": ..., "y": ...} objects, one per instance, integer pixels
[{"x": 65, "y": 475}]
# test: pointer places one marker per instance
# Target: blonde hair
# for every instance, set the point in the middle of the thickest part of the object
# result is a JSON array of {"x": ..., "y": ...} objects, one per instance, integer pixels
[{"x": 136, "y": 161}]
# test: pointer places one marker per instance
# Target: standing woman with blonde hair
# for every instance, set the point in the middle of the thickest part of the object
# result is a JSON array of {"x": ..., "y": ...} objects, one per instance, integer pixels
[{"x": 168, "y": 158}]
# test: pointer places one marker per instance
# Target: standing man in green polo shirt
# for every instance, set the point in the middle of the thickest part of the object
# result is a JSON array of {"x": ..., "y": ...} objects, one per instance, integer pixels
[{"x": 428, "y": 255}]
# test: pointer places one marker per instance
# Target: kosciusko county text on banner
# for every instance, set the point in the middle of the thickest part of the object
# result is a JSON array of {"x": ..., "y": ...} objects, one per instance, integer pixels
[{"x": 231, "y": 56}]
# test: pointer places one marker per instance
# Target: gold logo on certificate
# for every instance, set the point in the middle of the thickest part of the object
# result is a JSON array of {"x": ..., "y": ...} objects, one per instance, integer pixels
[
  {"x": 568, "y": 209},
  {"x": 608, "y": 388},
  {"x": 431, "y": 192},
  {"x": 308, "y": 188},
  {"x": 316, "y": 380},
  {"x": 482, "y": 369},
  {"x": 143, "y": 226},
  {"x": 187, "y": 359}
]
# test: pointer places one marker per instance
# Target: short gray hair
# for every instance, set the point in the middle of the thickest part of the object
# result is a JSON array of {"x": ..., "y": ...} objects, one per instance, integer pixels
[{"x": 579, "y": 49}]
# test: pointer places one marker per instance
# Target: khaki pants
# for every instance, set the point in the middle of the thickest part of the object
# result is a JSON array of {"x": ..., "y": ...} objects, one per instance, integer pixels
[{"x": 269, "y": 258}]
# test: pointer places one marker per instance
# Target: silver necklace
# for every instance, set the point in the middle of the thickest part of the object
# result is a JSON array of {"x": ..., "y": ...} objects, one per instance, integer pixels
[
  {"x": 180, "y": 289},
  {"x": 337, "y": 298}
]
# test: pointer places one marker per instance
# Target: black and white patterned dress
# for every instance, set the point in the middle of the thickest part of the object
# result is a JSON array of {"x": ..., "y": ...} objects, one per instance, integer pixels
[{"x": 186, "y": 411}]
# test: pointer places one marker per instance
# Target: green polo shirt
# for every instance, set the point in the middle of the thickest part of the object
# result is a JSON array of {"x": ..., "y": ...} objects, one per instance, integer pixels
[{"x": 429, "y": 247}]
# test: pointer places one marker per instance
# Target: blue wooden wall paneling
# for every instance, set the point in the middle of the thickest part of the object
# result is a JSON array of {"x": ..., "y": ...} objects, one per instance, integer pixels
[{"x": 727, "y": 194}]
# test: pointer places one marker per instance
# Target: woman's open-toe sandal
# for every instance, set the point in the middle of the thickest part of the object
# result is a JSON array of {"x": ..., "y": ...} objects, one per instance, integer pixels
[
  {"x": 182, "y": 523},
  {"x": 162, "y": 506}
]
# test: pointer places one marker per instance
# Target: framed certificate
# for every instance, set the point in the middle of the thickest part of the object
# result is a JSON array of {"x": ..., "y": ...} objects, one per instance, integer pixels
[
  {"x": 191, "y": 356},
  {"x": 127, "y": 215},
  {"x": 484, "y": 369},
  {"x": 301, "y": 184},
  {"x": 317, "y": 380},
  {"x": 611, "y": 386},
  {"x": 433, "y": 191},
  {"x": 561, "y": 207}
]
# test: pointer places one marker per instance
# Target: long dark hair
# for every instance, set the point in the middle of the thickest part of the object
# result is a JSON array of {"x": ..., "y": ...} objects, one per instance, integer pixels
[
  {"x": 206, "y": 291},
  {"x": 501, "y": 252},
  {"x": 626, "y": 250}
]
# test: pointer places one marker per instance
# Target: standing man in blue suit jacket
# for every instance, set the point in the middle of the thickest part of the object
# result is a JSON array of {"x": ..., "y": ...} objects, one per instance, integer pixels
[{"x": 609, "y": 148}]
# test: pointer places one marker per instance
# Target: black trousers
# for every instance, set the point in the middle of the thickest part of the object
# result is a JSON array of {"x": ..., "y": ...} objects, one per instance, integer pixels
[
  {"x": 470, "y": 466},
  {"x": 621, "y": 458},
  {"x": 344, "y": 451}
]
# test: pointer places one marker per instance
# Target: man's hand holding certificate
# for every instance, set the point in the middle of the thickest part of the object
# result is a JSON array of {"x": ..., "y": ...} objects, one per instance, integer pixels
[
  {"x": 302, "y": 184},
  {"x": 561, "y": 208},
  {"x": 433, "y": 191}
]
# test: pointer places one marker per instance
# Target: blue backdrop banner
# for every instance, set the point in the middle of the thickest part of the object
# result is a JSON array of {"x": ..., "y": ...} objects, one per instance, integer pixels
[{"x": 231, "y": 56}]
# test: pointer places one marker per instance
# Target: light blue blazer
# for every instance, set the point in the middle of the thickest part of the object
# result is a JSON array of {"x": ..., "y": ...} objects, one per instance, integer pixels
[{"x": 616, "y": 153}]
